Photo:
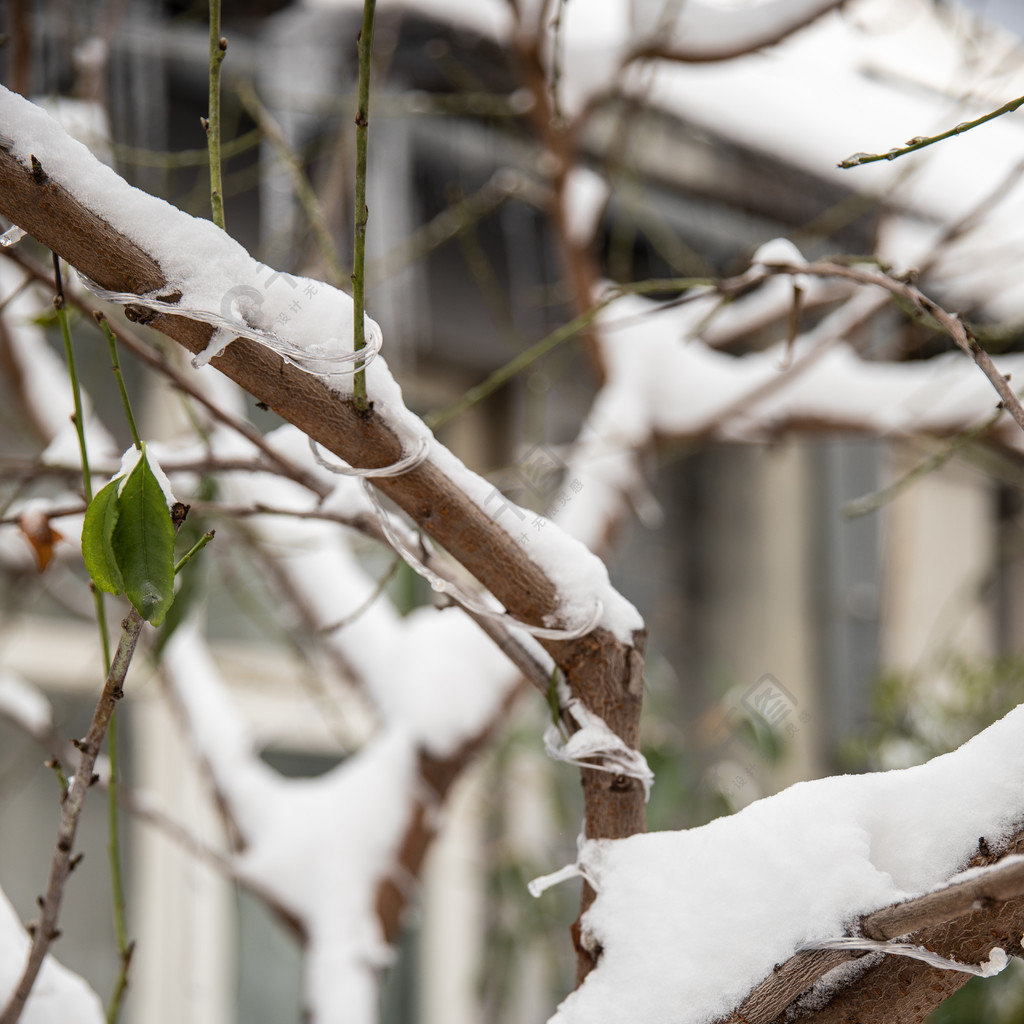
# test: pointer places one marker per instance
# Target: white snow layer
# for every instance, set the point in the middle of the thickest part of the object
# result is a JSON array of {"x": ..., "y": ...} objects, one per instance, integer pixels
[
  {"x": 319, "y": 846},
  {"x": 58, "y": 996},
  {"x": 433, "y": 672},
  {"x": 218, "y": 279},
  {"x": 215, "y": 274},
  {"x": 665, "y": 381},
  {"x": 24, "y": 704},
  {"x": 690, "y": 921}
]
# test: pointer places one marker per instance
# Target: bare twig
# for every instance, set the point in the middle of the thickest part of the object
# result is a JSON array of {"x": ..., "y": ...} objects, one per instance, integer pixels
[
  {"x": 361, "y": 212},
  {"x": 185, "y": 157},
  {"x": 949, "y": 322},
  {"x": 920, "y": 141},
  {"x": 45, "y": 931},
  {"x": 301, "y": 186},
  {"x": 218, "y": 48},
  {"x": 691, "y": 48},
  {"x": 876, "y": 499}
]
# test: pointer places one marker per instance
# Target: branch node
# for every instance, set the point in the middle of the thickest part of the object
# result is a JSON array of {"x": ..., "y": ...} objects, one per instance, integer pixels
[{"x": 39, "y": 176}]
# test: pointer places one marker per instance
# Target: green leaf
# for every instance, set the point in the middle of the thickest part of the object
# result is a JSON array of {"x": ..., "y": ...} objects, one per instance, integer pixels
[
  {"x": 143, "y": 543},
  {"x": 100, "y": 519}
]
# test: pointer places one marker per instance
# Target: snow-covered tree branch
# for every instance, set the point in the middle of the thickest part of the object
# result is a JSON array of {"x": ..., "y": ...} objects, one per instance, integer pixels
[{"x": 868, "y": 898}]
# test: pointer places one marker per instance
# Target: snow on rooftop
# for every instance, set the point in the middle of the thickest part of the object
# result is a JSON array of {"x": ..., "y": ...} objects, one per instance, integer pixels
[{"x": 690, "y": 921}]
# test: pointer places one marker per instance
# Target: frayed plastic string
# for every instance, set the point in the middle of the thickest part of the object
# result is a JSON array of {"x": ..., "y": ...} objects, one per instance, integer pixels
[
  {"x": 540, "y": 885},
  {"x": 12, "y": 236},
  {"x": 996, "y": 961},
  {"x": 227, "y": 329},
  {"x": 594, "y": 745},
  {"x": 441, "y": 585}
]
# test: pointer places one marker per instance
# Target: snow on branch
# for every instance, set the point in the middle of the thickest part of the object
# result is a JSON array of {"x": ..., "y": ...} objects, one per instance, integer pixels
[
  {"x": 58, "y": 995},
  {"x": 318, "y": 848},
  {"x": 171, "y": 253},
  {"x": 666, "y": 381},
  {"x": 434, "y": 672},
  {"x": 191, "y": 278},
  {"x": 690, "y": 922}
]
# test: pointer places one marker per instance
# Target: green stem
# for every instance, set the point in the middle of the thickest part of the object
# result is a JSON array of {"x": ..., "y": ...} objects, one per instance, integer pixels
[
  {"x": 115, "y": 363},
  {"x": 76, "y": 388},
  {"x": 361, "y": 212},
  {"x": 874, "y": 501},
  {"x": 218, "y": 47},
  {"x": 553, "y": 340},
  {"x": 184, "y": 157},
  {"x": 194, "y": 550},
  {"x": 921, "y": 141},
  {"x": 113, "y": 821}
]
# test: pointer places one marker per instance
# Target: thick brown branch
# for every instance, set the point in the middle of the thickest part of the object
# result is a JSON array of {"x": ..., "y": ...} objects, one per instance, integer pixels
[
  {"x": 962, "y": 922},
  {"x": 603, "y": 671},
  {"x": 996, "y": 884}
]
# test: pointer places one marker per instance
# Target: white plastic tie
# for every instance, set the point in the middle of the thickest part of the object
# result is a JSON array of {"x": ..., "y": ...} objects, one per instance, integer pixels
[
  {"x": 997, "y": 958},
  {"x": 594, "y": 745},
  {"x": 227, "y": 329},
  {"x": 403, "y": 465},
  {"x": 441, "y": 585},
  {"x": 541, "y": 885}
]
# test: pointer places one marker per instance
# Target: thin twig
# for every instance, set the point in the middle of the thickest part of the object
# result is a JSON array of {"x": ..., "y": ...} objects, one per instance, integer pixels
[
  {"x": 304, "y": 192},
  {"x": 158, "y": 362},
  {"x": 547, "y": 344},
  {"x": 45, "y": 931},
  {"x": 367, "y": 603},
  {"x": 448, "y": 224},
  {"x": 76, "y": 388},
  {"x": 876, "y": 499},
  {"x": 361, "y": 212},
  {"x": 920, "y": 141},
  {"x": 193, "y": 551},
  {"x": 951, "y": 323},
  {"x": 115, "y": 363},
  {"x": 172, "y": 159},
  {"x": 218, "y": 47},
  {"x": 125, "y": 946}
]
